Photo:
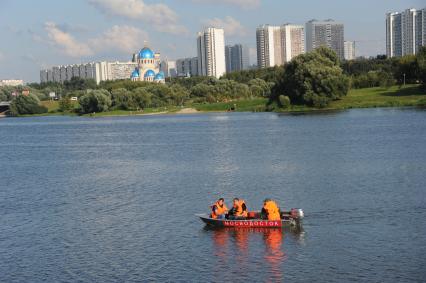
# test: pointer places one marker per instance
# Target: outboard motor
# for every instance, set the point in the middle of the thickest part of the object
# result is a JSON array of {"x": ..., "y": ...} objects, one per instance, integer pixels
[{"x": 297, "y": 213}]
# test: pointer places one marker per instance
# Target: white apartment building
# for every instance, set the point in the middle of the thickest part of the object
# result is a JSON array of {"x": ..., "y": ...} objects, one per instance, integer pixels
[
  {"x": 349, "y": 50},
  {"x": 211, "y": 52},
  {"x": 277, "y": 45},
  {"x": 292, "y": 41},
  {"x": 99, "y": 71},
  {"x": 268, "y": 45},
  {"x": 325, "y": 33},
  {"x": 11, "y": 82},
  {"x": 405, "y": 32}
]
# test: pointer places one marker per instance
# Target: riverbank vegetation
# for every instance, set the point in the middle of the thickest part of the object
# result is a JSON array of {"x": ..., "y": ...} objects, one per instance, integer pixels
[{"x": 315, "y": 80}]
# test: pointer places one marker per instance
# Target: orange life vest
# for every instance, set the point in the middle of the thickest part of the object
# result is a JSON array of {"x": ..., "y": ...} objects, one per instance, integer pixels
[
  {"x": 218, "y": 210},
  {"x": 272, "y": 210},
  {"x": 239, "y": 209}
]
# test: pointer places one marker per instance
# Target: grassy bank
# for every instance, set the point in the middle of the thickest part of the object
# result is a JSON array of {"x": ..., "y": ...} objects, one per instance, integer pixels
[{"x": 410, "y": 95}]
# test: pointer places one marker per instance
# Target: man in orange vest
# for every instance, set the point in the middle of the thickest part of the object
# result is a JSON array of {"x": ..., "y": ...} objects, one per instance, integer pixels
[
  {"x": 238, "y": 210},
  {"x": 270, "y": 210},
  {"x": 219, "y": 209}
]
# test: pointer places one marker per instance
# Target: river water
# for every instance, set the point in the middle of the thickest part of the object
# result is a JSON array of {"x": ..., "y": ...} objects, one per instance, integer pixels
[{"x": 113, "y": 199}]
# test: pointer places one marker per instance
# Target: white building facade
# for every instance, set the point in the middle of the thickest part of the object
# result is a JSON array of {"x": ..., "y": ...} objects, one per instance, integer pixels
[
  {"x": 405, "y": 32},
  {"x": 277, "y": 45},
  {"x": 211, "y": 52},
  {"x": 11, "y": 82},
  {"x": 349, "y": 50},
  {"x": 292, "y": 41}
]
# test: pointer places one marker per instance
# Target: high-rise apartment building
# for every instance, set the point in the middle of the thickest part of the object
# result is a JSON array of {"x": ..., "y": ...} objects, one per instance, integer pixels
[
  {"x": 99, "y": 71},
  {"x": 168, "y": 68},
  {"x": 211, "y": 52},
  {"x": 237, "y": 57},
  {"x": 277, "y": 45},
  {"x": 292, "y": 41},
  {"x": 325, "y": 33},
  {"x": 349, "y": 50},
  {"x": 405, "y": 32},
  {"x": 268, "y": 44},
  {"x": 187, "y": 67}
]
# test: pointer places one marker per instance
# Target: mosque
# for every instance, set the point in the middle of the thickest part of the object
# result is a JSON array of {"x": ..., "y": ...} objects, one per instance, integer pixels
[{"x": 148, "y": 67}]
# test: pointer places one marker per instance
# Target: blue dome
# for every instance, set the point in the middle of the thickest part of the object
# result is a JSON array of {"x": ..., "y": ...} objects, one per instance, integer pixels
[
  {"x": 159, "y": 76},
  {"x": 149, "y": 73},
  {"x": 135, "y": 74},
  {"x": 146, "y": 53}
]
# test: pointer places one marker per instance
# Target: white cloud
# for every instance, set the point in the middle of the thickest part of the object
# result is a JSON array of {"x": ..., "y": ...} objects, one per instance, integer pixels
[
  {"x": 229, "y": 24},
  {"x": 246, "y": 4},
  {"x": 160, "y": 16},
  {"x": 66, "y": 42},
  {"x": 126, "y": 39}
]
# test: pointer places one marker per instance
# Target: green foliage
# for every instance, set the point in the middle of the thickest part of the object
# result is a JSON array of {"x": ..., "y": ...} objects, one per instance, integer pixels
[
  {"x": 314, "y": 79},
  {"x": 421, "y": 65},
  {"x": 142, "y": 98},
  {"x": 79, "y": 84},
  {"x": 65, "y": 105},
  {"x": 284, "y": 101},
  {"x": 24, "y": 105},
  {"x": 95, "y": 101},
  {"x": 270, "y": 75},
  {"x": 122, "y": 99},
  {"x": 259, "y": 88}
]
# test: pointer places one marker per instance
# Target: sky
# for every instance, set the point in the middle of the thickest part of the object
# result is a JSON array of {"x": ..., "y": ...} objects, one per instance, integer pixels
[{"x": 38, "y": 34}]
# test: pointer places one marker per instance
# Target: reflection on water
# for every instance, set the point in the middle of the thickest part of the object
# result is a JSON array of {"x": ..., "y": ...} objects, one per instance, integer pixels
[{"x": 237, "y": 245}]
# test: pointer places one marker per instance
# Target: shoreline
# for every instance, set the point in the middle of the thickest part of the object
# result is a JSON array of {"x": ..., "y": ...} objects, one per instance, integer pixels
[
  {"x": 167, "y": 113},
  {"x": 394, "y": 97}
]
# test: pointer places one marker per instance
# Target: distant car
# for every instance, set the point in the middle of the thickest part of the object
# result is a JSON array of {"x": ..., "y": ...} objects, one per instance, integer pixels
[
  {"x": 74, "y": 98},
  {"x": 56, "y": 98}
]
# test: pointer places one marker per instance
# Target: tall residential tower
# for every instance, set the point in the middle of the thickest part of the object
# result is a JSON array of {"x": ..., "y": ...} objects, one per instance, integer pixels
[
  {"x": 325, "y": 33},
  {"x": 277, "y": 45},
  {"x": 237, "y": 57},
  {"x": 211, "y": 52},
  {"x": 405, "y": 32}
]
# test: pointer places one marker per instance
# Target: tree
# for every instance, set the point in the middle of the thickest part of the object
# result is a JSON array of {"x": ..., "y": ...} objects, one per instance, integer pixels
[
  {"x": 421, "y": 65},
  {"x": 65, "y": 104},
  {"x": 259, "y": 87},
  {"x": 284, "y": 101},
  {"x": 313, "y": 78},
  {"x": 26, "y": 104},
  {"x": 95, "y": 101},
  {"x": 141, "y": 97},
  {"x": 122, "y": 99}
]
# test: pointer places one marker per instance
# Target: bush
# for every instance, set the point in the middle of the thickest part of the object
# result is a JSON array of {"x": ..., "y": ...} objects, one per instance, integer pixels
[
  {"x": 65, "y": 105},
  {"x": 284, "y": 101},
  {"x": 95, "y": 101},
  {"x": 24, "y": 105}
]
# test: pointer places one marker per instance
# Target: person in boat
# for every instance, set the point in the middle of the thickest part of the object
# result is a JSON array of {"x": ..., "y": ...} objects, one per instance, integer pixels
[
  {"x": 238, "y": 210},
  {"x": 270, "y": 210},
  {"x": 219, "y": 209}
]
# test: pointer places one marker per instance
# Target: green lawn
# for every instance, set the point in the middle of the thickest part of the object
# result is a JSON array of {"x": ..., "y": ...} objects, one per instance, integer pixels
[{"x": 409, "y": 95}]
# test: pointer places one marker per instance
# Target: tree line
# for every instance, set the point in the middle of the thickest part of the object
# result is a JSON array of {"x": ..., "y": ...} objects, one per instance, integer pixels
[{"x": 314, "y": 78}]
